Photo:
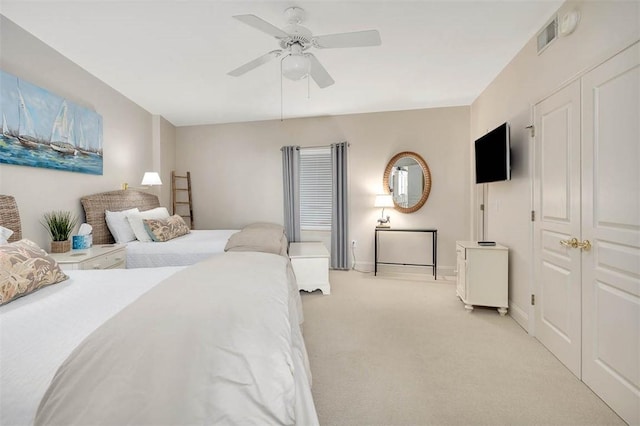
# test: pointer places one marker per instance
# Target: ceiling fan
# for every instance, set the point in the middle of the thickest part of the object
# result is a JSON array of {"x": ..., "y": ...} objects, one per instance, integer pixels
[{"x": 295, "y": 40}]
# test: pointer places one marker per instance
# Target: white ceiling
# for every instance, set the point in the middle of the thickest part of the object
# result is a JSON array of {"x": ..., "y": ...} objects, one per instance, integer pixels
[{"x": 171, "y": 57}]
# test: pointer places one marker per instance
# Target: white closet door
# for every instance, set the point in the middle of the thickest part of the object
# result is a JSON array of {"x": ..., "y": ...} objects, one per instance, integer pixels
[
  {"x": 557, "y": 268},
  {"x": 611, "y": 222}
]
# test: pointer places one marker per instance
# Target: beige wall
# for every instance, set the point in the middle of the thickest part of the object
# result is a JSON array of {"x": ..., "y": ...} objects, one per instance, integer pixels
[
  {"x": 164, "y": 157},
  {"x": 605, "y": 27},
  {"x": 127, "y": 140},
  {"x": 237, "y": 172}
]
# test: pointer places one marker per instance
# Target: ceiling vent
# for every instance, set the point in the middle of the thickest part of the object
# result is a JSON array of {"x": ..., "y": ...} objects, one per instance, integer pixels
[{"x": 548, "y": 34}]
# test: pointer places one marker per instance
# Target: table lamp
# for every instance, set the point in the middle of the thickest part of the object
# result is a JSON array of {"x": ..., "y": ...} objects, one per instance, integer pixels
[
  {"x": 151, "y": 179},
  {"x": 383, "y": 200}
]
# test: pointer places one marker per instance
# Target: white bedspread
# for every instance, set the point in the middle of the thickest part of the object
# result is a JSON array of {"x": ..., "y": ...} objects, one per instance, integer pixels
[
  {"x": 39, "y": 331},
  {"x": 212, "y": 344},
  {"x": 182, "y": 251}
]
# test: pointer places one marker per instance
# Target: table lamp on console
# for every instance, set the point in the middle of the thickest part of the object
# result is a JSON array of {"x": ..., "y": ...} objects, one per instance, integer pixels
[{"x": 383, "y": 200}]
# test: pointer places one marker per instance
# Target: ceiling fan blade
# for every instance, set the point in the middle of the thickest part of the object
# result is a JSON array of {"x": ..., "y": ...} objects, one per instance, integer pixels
[
  {"x": 262, "y": 25},
  {"x": 255, "y": 63},
  {"x": 355, "y": 39},
  {"x": 318, "y": 73}
]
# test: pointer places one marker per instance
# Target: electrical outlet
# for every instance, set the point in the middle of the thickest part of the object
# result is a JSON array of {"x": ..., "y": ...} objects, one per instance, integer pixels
[{"x": 354, "y": 243}]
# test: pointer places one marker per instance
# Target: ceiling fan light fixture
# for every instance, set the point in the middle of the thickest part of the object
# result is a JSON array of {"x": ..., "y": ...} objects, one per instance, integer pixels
[
  {"x": 295, "y": 67},
  {"x": 295, "y": 40}
]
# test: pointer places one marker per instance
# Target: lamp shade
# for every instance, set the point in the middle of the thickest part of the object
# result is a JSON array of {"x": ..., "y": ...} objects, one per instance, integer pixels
[
  {"x": 294, "y": 67},
  {"x": 383, "y": 200},
  {"x": 151, "y": 179}
]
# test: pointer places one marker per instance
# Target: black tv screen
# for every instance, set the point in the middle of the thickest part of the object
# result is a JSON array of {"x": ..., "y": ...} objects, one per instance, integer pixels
[{"x": 493, "y": 159}]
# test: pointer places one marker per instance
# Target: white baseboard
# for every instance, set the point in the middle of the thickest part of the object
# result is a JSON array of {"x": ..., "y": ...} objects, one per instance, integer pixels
[{"x": 519, "y": 315}]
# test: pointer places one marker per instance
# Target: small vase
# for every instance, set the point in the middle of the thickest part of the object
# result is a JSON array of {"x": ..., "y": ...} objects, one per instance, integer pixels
[{"x": 60, "y": 246}]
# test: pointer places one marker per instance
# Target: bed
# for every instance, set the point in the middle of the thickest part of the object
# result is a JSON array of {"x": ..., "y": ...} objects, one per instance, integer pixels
[
  {"x": 213, "y": 343},
  {"x": 184, "y": 250}
]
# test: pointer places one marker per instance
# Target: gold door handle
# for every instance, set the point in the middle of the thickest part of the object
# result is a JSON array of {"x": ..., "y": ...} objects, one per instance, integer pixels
[
  {"x": 585, "y": 245},
  {"x": 572, "y": 243}
]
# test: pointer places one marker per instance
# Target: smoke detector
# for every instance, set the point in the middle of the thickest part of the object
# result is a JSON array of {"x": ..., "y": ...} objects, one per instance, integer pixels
[{"x": 568, "y": 23}]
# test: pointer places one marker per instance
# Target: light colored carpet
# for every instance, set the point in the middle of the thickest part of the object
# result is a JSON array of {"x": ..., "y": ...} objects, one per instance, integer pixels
[{"x": 404, "y": 352}]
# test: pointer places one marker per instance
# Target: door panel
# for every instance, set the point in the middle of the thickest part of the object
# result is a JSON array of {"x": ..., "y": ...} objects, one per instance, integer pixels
[
  {"x": 557, "y": 269},
  {"x": 555, "y": 164},
  {"x": 556, "y": 282},
  {"x": 611, "y": 337},
  {"x": 611, "y": 222},
  {"x": 556, "y": 286}
]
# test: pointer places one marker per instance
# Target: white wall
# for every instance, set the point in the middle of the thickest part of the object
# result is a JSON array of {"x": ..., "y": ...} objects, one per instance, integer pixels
[
  {"x": 127, "y": 140},
  {"x": 605, "y": 27},
  {"x": 164, "y": 157},
  {"x": 237, "y": 171}
]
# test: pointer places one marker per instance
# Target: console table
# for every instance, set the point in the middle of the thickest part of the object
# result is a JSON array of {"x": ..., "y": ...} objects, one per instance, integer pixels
[{"x": 434, "y": 250}]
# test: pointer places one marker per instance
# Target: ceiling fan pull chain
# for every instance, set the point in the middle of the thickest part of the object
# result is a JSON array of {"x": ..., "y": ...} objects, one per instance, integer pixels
[
  {"x": 308, "y": 87},
  {"x": 281, "y": 95}
]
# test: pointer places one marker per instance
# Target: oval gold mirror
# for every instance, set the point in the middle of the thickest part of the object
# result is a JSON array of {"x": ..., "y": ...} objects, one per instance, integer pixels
[{"x": 408, "y": 179}]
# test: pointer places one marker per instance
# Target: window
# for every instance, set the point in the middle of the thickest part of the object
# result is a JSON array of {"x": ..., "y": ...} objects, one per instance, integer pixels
[
  {"x": 315, "y": 189},
  {"x": 401, "y": 185}
]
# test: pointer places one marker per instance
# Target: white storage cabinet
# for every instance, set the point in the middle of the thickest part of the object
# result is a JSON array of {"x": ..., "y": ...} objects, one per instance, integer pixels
[
  {"x": 310, "y": 263},
  {"x": 483, "y": 275}
]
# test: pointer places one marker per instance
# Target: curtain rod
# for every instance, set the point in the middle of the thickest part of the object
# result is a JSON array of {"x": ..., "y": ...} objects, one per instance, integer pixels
[
  {"x": 322, "y": 146},
  {"x": 316, "y": 146}
]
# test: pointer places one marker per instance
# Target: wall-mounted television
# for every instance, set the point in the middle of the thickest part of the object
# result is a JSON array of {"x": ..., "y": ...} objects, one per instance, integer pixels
[{"x": 493, "y": 156}]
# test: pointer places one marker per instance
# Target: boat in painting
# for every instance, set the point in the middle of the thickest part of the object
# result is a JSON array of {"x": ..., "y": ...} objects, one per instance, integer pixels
[
  {"x": 62, "y": 132},
  {"x": 26, "y": 135},
  {"x": 25, "y": 140},
  {"x": 8, "y": 133},
  {"x": 64, "y": 148},
  {"x": 82, "y": 145}
]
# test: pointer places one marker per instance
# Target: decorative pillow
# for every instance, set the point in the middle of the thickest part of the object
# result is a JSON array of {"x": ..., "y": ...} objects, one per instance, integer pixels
[
  {"x": 257, "y": 239},
  {"x": 136, "y": 221},
  {"x": 25, "y": 268},
  {"x": 5, "y": 233},
  {"x": 166, "y": 229},
  {"x": 119, "y": 225}
]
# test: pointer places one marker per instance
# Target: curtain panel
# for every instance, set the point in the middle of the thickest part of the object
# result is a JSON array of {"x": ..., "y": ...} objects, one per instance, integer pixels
[
  {"x": 340, "y": 207},
  {"x": 291, "y": 188}
]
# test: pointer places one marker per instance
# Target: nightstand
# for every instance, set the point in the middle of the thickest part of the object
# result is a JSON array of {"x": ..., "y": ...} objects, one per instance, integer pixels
[
  {"x": 483, "y": 275},
  {"x": 310, "y": 263},
  {"x": 107, "y": 256}
]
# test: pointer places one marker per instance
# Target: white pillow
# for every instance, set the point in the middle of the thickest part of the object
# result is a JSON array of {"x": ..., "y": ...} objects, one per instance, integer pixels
[
  {"x": 119, "y": 226},
  {"x": 5, "y": 233},
  {"x": 135, "y": 220}
]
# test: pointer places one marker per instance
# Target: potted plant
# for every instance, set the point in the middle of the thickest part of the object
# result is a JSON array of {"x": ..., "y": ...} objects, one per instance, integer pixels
[{"x": 59, "y": 224}]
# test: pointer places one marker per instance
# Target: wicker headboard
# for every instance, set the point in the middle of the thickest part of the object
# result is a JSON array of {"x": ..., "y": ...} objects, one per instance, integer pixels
[
  {"x": 115, "y": 201},
  {"x": 10, "y": 216}
]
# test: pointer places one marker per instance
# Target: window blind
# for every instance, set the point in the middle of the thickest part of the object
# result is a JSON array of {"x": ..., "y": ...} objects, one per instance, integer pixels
[{"x": 315, "y": 188}]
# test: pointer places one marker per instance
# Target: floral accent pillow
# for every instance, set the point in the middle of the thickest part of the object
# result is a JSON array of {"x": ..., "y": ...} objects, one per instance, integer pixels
[
  {"x": 166, "y": 229},
  {"x": 25, "y": 268}
]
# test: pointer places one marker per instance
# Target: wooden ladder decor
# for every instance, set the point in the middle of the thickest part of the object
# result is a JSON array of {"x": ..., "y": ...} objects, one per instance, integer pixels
[{"x": 180, "y": 202}]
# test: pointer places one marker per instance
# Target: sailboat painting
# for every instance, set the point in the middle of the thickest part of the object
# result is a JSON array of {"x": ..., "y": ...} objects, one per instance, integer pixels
[{"x": 41, "y": 129}]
